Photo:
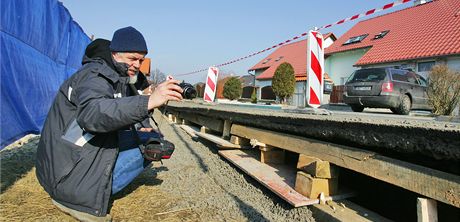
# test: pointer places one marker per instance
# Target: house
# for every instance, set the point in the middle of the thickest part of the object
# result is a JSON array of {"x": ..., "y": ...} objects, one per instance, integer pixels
[
  {"x": 416, "y": 38},
  {"x": 145, "y": 67},
  {"x": 247, "y": 83},
  {"x": 295, "y": 54}
]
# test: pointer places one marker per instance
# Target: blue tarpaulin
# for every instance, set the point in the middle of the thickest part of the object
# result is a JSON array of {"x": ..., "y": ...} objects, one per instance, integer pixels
[{"x": 40, "y": 47}]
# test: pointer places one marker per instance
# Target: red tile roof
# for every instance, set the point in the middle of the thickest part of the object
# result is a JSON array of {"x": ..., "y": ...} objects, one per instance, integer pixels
[
  {"x": 293, "y": 53},
  {"x": 329, "y": 35},
  {"x": 428, "y": 30}
]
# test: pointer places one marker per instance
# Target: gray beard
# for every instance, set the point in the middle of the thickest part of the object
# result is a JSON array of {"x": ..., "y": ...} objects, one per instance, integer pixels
[{"x": 133, "y": 79}]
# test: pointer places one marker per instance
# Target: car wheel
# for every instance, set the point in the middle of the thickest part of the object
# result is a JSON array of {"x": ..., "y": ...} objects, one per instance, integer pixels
[
  {"x": 394, "y": 110},
  {"x": 404, "y": 106},
  {"x": 357, "y": 108}
]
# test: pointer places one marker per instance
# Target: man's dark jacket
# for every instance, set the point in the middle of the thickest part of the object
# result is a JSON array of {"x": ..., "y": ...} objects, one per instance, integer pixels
[{"x": 79, "y": 141}]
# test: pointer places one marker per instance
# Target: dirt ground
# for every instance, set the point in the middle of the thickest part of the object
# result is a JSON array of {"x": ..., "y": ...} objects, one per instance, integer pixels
[{"x": 196, "y": 184}]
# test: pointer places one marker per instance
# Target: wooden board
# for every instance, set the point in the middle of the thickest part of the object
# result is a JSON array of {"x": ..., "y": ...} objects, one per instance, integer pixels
[
  {"x": 210, "y": 123},
  {"x": 316, "y": 167},
  {"x": 190, "y": 130},
  {"x": 280, "y": 179},
  {"x": 222, "y": 143},
  {"x": 272, "y": 156},
  {"x": 344, "y": 210},
  {"x": 239, "y": 140},
  {"x": 432, "y": 183},
  {"x": 427, "y": 210},
  {"x": 312, "y": 187}
]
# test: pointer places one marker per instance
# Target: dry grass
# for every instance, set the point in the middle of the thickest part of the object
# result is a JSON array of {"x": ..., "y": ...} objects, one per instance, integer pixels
[{"x": 23, "y": 199}]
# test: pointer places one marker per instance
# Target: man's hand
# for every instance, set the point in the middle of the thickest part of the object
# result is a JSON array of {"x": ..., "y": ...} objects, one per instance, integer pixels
[
  {"x": 146, "y": 129},
  {"x": 168, "y": 90},
  {"x": 148, "y": 90}
]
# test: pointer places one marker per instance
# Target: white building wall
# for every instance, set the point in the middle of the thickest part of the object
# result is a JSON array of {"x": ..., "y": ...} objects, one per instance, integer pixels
[
  {"x": 328, "y": 42},
  {"x": 340, "y": 65},
  {"x": 454, "y": 63}
]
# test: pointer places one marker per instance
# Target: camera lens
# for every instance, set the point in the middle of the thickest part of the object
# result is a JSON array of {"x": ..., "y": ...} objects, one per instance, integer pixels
[{"x": 189, "y": 91}]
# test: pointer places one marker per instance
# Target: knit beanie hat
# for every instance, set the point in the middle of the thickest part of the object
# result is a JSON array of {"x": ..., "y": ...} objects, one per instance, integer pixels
[{"x": 128, "y": 39}]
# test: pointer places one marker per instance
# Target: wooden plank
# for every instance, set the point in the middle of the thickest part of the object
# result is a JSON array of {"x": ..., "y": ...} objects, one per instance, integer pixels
[
  {"x": 312, "y": 187},
  {"x": 432, "y": 183},
  {"x": 190, "y": 130},
  {"x": 317, "y": 167},
  {"x": 344, "y": 210},
  {"x": 170, "y": 118},
  {"x": 179, "y": 120},
  {"x": 272, "y": 156},
  {"x": 218, "y": 140},
  {"x": 203, "y": 129},
  {"x": 210, "y": 123},
  {"x": 226, "y": 129},
  {"x": 239, "y": 140},
  {"x": 426, "y": 210},
  {"x": 279, "y": 178}
]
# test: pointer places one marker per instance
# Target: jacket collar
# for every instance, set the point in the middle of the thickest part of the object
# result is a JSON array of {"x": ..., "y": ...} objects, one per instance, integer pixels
[{"x": 108, "y": 72}]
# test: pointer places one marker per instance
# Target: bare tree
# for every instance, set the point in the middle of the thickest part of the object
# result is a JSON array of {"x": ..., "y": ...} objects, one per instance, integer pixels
[
  {"x": 157, "y": 77},
  {"x": 223, "y": 73}
]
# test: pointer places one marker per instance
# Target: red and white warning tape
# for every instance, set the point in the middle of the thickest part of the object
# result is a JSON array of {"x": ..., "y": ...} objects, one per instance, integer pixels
[{"x": 369, "y": 12}]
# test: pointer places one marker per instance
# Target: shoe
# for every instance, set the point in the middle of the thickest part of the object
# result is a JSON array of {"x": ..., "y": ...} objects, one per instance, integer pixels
[{"x": 81, "y": 216}]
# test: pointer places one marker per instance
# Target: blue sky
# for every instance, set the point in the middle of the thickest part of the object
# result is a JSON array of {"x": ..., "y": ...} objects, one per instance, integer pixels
[{"x": 184, "y": 36}]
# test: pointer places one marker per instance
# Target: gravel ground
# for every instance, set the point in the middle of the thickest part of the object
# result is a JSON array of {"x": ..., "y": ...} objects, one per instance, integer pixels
[{"x": 217, "y": 189}]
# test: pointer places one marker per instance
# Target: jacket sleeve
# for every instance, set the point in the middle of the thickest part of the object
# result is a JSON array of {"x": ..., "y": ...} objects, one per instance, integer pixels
[
  {"x": 145, "y": 123},
  {"x": 98, "y": 111}
]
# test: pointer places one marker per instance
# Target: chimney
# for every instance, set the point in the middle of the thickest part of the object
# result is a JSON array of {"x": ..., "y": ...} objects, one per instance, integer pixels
[{"x": 420, "y": 2}]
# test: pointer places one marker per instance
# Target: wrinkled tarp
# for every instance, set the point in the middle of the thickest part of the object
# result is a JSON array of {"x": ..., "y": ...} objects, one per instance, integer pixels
[{"x": 40, "y": 47}]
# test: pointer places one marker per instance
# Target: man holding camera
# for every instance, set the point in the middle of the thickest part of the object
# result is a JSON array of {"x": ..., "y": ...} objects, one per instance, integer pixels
[{"x": 86, "y": 151}]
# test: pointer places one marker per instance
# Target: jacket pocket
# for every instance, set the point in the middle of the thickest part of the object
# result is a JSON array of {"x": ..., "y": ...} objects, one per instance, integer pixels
[
  {"x": 82, "y": 183},
  {"x": 65, "y": 162}
]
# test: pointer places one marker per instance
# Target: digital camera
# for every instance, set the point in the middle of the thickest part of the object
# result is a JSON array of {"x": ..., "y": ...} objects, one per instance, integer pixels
[{"x": 189, "y": 91}]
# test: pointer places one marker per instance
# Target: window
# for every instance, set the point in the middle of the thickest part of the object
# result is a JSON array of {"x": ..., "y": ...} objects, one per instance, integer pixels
[
  {"x": 425, "y": 66},
  {"x": 412, "y": 78},
  {"x": 398, "y": 75},
  {"x": 381, "y": 34},
  {"x": 266, "y": 60},
  {"x": 279, "y": 58},
  {"x": 368, "y": 75},
  {"x": 355, "y": 39},
  {"x": 422, "y": 81}
]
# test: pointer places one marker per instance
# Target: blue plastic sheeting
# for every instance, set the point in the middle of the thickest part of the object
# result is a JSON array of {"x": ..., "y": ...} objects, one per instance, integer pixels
[{"x": 40, "y": 47}]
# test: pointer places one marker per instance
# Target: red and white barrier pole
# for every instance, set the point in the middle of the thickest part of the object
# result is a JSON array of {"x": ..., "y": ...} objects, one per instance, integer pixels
[
  {"x": 315, "y": 69},
  {"x": 211, "y": 83}
]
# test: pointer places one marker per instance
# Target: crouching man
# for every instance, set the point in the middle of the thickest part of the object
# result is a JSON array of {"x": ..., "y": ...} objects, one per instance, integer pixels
[{"x": 83, "y": 157}]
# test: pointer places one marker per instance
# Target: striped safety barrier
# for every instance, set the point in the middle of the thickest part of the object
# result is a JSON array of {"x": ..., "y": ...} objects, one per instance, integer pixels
[
  {"x": 315, "y": 69},
  {"x": 211, "y": 83}
]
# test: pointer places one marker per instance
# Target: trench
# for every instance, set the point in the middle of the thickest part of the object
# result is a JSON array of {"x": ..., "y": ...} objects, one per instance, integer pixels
[{"x": 429, "y": 144}]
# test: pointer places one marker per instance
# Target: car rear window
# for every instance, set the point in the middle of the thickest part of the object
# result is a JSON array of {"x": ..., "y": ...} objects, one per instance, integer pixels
[
  {"x": 401, "y": 76},
  {"x": 368, "y": 75}
]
